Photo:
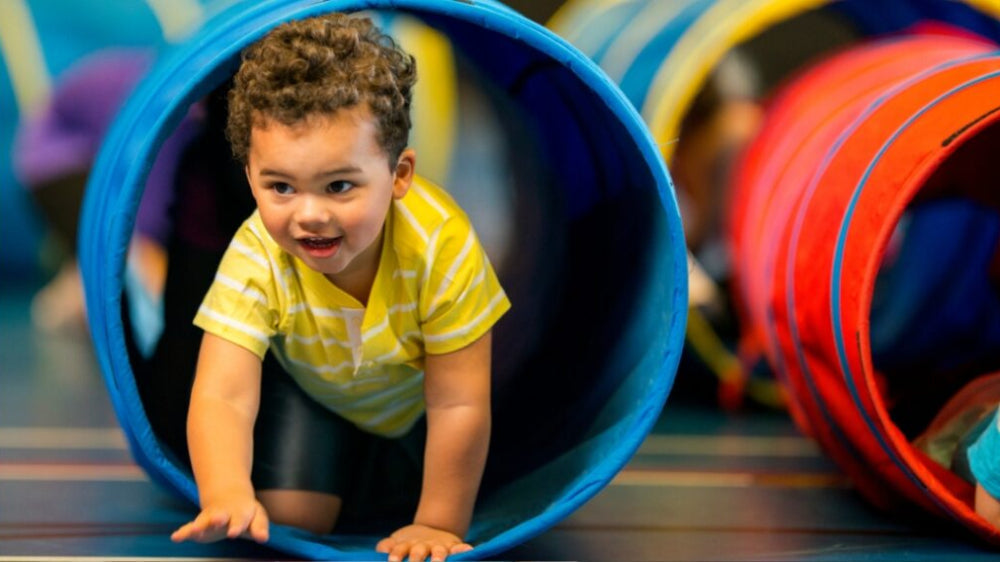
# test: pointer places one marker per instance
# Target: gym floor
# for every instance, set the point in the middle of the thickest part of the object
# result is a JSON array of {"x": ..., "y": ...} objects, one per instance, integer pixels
[{"x": 704, "y": 486}]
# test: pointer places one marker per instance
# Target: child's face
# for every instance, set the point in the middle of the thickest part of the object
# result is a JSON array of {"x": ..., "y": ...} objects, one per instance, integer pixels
[{"x": 323, "y": 188}]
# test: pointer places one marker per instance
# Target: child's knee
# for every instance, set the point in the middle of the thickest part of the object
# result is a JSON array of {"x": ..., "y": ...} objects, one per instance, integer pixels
[{"x": 313, "y": 511}]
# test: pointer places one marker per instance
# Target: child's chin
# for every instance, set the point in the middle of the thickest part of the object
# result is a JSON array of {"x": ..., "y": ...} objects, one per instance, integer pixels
[
  {"x": 324, "y": 268},
  {"x": 317, "y": 264}
]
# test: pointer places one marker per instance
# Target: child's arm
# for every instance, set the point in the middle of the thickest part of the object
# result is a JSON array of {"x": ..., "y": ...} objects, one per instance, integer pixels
[
  {"x": 987, "y": 506},
  {"x": 984, "y": 461},
  {"x": 457, "y": 392},
  {"x": 224, "y": 402}
]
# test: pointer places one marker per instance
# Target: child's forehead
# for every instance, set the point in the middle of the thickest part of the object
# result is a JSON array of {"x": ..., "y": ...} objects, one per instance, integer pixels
[
  {"x": 346, "y": 133},
  {"x": 358, "y": 114}
]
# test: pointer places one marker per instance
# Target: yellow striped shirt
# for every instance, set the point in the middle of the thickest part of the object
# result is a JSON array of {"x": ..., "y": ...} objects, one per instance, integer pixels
[{"x": 435, "y": 292}]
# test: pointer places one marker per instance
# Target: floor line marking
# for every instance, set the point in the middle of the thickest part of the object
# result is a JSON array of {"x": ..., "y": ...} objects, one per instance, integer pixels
[
  {"x": 730, "y": 446},
  {"x": 657, "y": 444},
  {"x": 110, "y": 559},
  {"x": 570, "y": 526},
  {"x": 38, "y": 472},
  {"x": 60, "y": 472},
  {"x": 62, "y": 438},
  {"x": 695, "y": 479}
]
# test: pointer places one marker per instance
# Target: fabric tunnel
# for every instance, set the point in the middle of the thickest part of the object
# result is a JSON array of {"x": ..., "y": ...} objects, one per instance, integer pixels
[
  {"x": 680, "y": 63},
  {"x": 864, "y": 227},
  {"x": 582, "y": 227}
]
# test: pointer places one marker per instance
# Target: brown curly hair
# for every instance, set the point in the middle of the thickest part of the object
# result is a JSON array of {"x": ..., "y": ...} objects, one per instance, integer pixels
[{"x": 318, "y": 66}]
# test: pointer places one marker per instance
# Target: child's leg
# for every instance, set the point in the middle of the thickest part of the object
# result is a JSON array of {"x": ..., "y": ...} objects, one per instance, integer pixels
[
  {"x": 385, "y": 493},
  {"x": 314, "y": 470},
  {"x": 315, "y": 512},
  {"x": 302, "y": 455}
]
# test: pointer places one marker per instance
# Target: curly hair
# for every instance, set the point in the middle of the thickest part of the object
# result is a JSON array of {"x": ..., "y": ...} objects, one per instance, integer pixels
[{"x": 318, "y": 66}]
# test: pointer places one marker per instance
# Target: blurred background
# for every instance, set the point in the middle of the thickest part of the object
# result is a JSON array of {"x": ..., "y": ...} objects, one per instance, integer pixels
[
  {"x": 705, "y": 76},
  {"x": 41, "y": 42}
]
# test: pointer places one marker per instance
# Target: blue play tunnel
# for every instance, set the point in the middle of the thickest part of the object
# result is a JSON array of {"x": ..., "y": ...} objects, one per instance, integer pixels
[{"x": 593, "y": 258}]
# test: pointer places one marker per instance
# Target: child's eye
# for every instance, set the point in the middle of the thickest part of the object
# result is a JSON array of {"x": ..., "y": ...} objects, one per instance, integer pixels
[
  {"x": 281, "y": 188},
  {"x": 339, "y": 187}
]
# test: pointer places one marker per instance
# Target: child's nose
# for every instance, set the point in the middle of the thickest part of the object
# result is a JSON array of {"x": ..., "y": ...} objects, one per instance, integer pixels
[{"x": 313, "y": 211}]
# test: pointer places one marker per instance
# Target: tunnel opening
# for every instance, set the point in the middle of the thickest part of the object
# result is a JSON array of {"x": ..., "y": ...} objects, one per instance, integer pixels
[{"x": 574, "y": 209}]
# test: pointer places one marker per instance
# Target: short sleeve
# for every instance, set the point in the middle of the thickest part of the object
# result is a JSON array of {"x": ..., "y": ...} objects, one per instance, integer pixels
[
  {"x": 462, "y": 298},
  {"x": 984, "y": 458},
  {"x": 242, "y": 304}
]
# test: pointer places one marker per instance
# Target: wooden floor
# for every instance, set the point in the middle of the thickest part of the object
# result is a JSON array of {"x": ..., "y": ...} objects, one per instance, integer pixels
[{"x": 704, "y": 486}]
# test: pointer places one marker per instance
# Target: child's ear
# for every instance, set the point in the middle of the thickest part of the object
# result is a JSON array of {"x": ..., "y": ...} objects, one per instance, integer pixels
[{"x": 405, "y": 170}]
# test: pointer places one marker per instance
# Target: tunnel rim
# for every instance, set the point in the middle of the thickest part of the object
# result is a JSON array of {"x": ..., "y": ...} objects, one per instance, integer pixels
[{"x": 109, "y": 214}]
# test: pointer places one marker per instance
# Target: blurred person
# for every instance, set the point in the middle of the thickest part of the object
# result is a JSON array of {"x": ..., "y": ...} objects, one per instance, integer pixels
[
  {"x": 723, "y": 118},
  {"x": 53, "y": 153},
  {"x": 965, "y": 438}
]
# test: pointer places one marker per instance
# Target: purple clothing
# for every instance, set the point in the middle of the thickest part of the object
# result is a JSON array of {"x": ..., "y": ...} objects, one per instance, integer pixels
[{"x": 65, "y": 137}]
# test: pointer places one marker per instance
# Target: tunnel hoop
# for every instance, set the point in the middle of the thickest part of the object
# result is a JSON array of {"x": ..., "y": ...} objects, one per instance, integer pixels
[{"x": 158, "y": 105}]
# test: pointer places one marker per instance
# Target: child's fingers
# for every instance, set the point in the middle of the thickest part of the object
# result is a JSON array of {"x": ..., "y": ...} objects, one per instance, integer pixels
[
  {"x": 439, "y": 553},
  {"x": 399, "y": 552},
  {"x": 182, "y": 533},
  {"x": 209, "y": 526},
  {"x": 438, "y": 547},
  {"x": 213, "y": 524},
  {"x": 238, "y": 524},
  {"x": 419, "y": 552},
  {"x": 385, "y": 545},
  {"x": 259, "y": 526},
  {"x": 187, "y": 532}
]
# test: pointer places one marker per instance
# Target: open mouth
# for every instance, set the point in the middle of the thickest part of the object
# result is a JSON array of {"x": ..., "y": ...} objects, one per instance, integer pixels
[{"x": 320, "y": 247}]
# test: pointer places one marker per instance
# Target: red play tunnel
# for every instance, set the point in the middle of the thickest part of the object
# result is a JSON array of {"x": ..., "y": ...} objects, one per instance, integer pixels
[{"x": 864, "y": 227}]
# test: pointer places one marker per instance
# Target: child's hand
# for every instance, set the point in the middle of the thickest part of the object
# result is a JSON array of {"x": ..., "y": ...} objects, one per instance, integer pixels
[
  {"x": 419, "y": 541},
  {"x": 987, "y": 506},
  {"x": 228, "y": 518}
]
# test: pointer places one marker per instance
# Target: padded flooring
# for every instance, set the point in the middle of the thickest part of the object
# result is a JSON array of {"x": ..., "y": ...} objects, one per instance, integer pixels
[{"x": 704, "y": 486}]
